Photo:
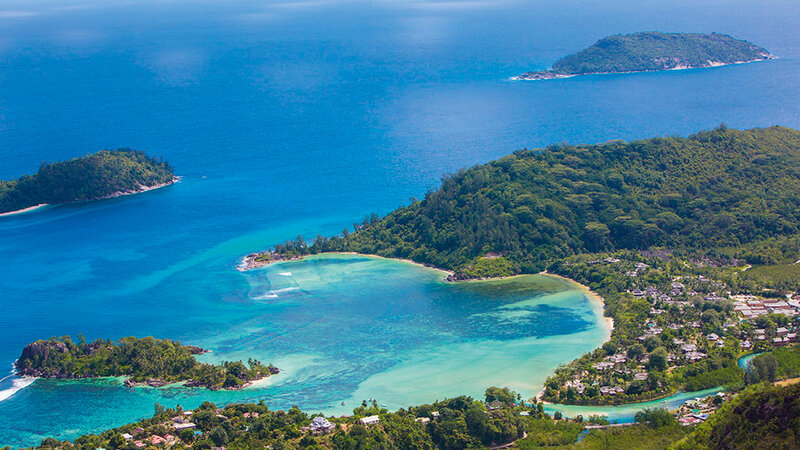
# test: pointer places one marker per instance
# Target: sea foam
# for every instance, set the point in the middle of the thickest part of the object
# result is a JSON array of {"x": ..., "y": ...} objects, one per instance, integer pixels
[{"x": 17, "y": 384}]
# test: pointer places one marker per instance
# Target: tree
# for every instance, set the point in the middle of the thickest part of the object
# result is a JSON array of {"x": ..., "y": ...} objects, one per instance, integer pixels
[
  {"x": 762, "y": 368},
  {"x": 659, "y": 359},
  {"x": 655, "y": 417},
  {"x": 503, "y": 395},
  {"x": 636, "y": 351}
]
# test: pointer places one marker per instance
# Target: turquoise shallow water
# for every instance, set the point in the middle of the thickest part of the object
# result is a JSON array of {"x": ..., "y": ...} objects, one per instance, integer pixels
[
  {"x": 346, "y": 328},
  {"x": 301, "y": 117}
]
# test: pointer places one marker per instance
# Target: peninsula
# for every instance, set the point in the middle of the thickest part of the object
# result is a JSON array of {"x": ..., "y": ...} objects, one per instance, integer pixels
[
  {"x": 147, "y": 361},
  {"x": 652, "y": 51},
  {"x": 720, "y": 189},
  {"x": 660, "y": 228},
  {"x": 104, "y": 174}
]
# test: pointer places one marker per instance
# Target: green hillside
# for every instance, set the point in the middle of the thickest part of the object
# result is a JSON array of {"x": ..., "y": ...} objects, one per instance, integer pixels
[{"x": 719, "y": 189}]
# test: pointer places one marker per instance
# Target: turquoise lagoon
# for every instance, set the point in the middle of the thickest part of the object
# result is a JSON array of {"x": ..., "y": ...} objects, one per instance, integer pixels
[{"x": 344, "y": 328}]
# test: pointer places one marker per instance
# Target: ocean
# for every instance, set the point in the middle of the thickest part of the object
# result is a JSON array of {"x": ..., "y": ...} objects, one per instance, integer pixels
[{"x": 300, "y": 118}]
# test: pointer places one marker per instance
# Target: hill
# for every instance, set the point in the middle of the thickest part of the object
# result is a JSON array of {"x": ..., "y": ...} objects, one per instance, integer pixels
[
  {"x": 763, "y": 417},
  {"x": 718, "y": 189},
  {"x": 652, "y": 51},
  {"x": 106, "y": 173}
]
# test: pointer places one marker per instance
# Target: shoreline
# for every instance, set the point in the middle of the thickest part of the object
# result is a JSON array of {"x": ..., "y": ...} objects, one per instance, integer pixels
[
  {"x": 591, "y": 295},
  {"x": 141, "y": 189},
  {"x": 249, "y": 261},
  {"x": 24, "y": 210},
  {"x": 533, "y": 76}
]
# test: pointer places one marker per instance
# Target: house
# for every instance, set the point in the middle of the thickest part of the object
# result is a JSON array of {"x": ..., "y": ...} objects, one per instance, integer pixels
[
  {"x": 780, "y": 341},
  {"x": 422, "y": 420},
  {"x": 605, "y": 365},
  {"x": 712, "y": 337},
  {"x": 494, "y": 405},
  {"x": 695, "y": 356},
  {"x": 321, "y": 425},
  {"x": 156, "y": 440},
  {"x": 781, "y": 331},
  {"x": 720, "y": 343},
  {"x": 248, "y": 415},
  {"x": 184, "y": 426},
  {"x": 127, "y": 436},
  {"x": 608, "y": 390},
  {"x": 746, "y": 345},
  {"x": 370, "y": 420},
  {"x": 140, "y": 444},
  {"x": 688, "y": 420},
  {"x": 618, "y": 358}
]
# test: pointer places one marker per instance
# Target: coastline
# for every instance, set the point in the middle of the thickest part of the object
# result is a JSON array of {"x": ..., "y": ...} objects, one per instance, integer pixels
[
  {"x": 24, "y": 210},
  {"x": 536, "y": 76},
  {"x": 591, "y": 295},
  {"x": 249, "y": 261},
  {"x": 141, "y": 189}
]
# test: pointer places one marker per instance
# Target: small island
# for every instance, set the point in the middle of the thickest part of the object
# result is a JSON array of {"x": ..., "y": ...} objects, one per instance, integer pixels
[
  {"x": 104, "y": 174},
  {"x": 652, "y": 51},
  {"x": 146, "y": 361}
]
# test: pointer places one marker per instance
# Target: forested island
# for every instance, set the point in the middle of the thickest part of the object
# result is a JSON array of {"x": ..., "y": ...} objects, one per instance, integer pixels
[
  {"x": 104, "y": 174},
  {"x": 762, "y": 416},
  {"x": 652, "y": 51},
  {"x": 145, "y": 361}
]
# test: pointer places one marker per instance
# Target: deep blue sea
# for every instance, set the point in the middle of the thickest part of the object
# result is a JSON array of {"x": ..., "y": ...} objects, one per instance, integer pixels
[{"x": 299, "y": 118}]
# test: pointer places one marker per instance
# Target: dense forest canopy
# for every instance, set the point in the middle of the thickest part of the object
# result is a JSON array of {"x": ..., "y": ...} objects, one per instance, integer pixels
[
  {"x": 145, "y": 359},
  {"x": 93, "y": 176},
  {"x": 650, "y": 51},
  {"x": 715, "y": 189}
]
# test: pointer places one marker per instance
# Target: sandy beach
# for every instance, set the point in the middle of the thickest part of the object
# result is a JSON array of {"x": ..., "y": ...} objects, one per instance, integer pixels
[{"x": 23, "y": 210}]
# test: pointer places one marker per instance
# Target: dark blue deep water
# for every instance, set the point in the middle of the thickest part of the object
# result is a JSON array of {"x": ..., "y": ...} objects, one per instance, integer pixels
[{"x": 288, "y": 118}]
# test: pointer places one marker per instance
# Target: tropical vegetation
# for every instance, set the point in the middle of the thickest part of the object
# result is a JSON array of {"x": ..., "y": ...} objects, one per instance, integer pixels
[
  {"x": 146, "y": 360},
  {"x": 97, "y": 175},
  {"x": 715, "y": 190},
  {"x": 650, "y": 51}
]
